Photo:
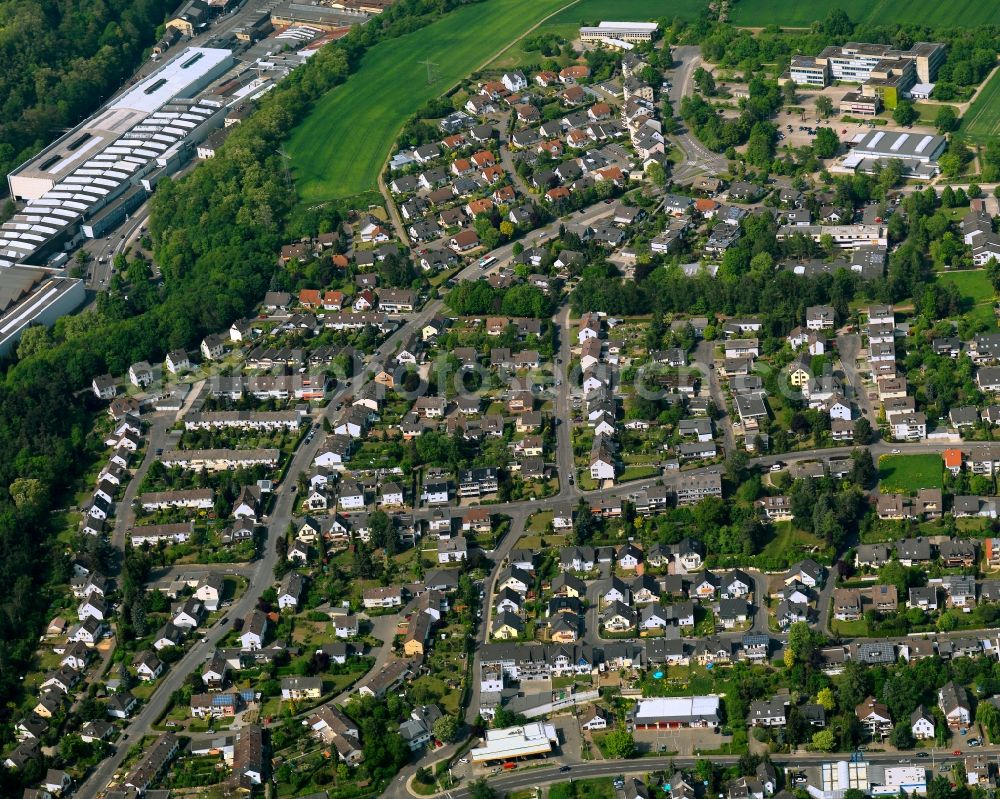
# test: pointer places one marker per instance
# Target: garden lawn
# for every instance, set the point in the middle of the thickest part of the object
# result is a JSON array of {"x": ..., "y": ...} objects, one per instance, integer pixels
[
  {"x": 932, "y": 13},
  {"x": 342, "y": 145},
  {"x": 973, "y": 284},
  {"x": 850, "y": 629},
  {"x": 982, "y": 119},
  {"x": 929, "y": 111},
  {"x": 909, "y": 473},
  {"x": 639, "y": 473},
  {"x": 787, "y": 538}
]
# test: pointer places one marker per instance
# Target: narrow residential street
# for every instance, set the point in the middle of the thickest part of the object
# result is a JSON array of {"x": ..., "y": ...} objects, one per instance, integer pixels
[
  {"x": 848, "y": 347},
  {"x": 705, "y": 359},
  {"x": 156, "y": 440}
]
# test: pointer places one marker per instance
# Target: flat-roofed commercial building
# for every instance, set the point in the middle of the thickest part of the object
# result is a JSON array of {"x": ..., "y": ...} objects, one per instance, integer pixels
[
  {"x": 322, "y": 17},
  {"x": 847, "y": 237},
  {"x": 917, "y": 152},
  {"x": 52, "y": 298},
  {"x": 665, "y": 713},
  {"x": 622, "y": 31},
  {"x": 528, "y": 740},
  {"x": 99, "y": 163},
  {"x": 182, "y": 77}
]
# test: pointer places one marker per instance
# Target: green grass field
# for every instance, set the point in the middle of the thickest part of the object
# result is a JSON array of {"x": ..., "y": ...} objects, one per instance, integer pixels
[
  {"x": 792, "y": 13},
  {"x": 909, "y": 473},
  {"x": 982, "y": 120},
  {"x": 977, "y": 293},
  {"x": 339, "y": 149},
  {"x": 973, "y": 284},
  {"x": 787, "y": 539},
  {"x": 631, "y": 10},
  {"x": 929, "y": 111}
]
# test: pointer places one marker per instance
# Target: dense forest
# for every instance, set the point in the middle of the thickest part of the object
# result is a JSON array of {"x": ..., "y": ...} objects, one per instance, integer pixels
[
  {"x": 216, "y": 234},
  {"x": 59, "y": 59}
]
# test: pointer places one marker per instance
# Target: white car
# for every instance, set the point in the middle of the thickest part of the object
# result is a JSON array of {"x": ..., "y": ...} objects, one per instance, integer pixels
[
  {"x": 895, "y": 452},
  {"x": 464, "y": 760}
]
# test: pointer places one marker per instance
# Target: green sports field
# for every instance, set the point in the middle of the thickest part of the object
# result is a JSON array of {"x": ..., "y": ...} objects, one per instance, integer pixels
[
  {"x": 339, "y": 149},
  {"x": 933, "y": 13},
  {"x": 982, "y": 120}
]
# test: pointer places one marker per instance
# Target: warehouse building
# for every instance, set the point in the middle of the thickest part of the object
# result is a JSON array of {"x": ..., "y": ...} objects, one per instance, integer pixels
[
  {"x": 40, "y": 300},
  {"x": 67, "y": 187},
  {"x": 182, "y": 77},
  {"x": 322, "y": 18},
  {"x": 673, "y": 712},
  {"x": 917, "y": 152},
  {"x": 529, "y": 740}
]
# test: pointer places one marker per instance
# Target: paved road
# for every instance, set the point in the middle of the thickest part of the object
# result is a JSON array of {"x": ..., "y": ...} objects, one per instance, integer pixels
[
  {"x": 397, "y": 223},
  {"x": 576, "y": 222},
  {"x": 532, "y": 777},
  {"x": 705, "y": 357},
  {"x": 564, "y": 413},
  {"x": 383, "y": 628},
  {"x": 823, "y": 603},
  {"x": 507, "y": 162},
  {"x": 156, "y": 438},
  {"x": 698, "y": 159},
  {"x": 519, "y": 519},
  {"x": 261, "y": 575},
  {"x": 848, "y": 347}
]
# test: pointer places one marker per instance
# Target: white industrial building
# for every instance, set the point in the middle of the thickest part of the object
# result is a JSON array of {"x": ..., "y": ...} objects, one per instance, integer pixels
[
  {"x": 40, "y": 303},
  {"x": 832, "y": 779},
  {"x": 611, "y": 32},
  {"x": 890, "y": 780},
  {"x": 673, "y": 712},
  {"x": 69, "y": 187},
  {"x": 528, "y": 740}
]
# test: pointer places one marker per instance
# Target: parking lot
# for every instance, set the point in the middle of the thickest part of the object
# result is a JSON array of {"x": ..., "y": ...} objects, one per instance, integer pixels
[{"x": 685, "y": 742}]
